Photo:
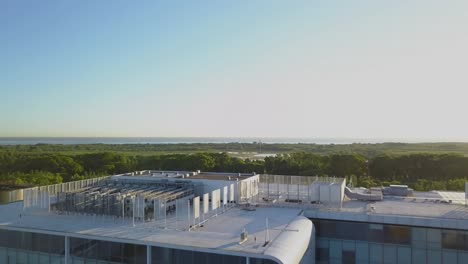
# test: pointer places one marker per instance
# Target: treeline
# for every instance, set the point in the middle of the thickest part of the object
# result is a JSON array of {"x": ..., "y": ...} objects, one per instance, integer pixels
[
  {"x": 365, "y": 149},
  {"x": 32, "y": 178},
  {"x": 422, "y": 171},
  {"x": 306, "y": 164},
  {"x": 36, "y": 169}
]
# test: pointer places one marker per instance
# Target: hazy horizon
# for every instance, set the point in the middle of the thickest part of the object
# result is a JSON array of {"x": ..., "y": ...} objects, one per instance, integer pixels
[
  {"x": 209, "y": 140},
  {"x": 256, "y": 69}
]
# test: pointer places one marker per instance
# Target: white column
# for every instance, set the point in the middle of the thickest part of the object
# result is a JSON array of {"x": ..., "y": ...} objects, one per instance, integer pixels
[
  {"x": 188, "y": 214},
  {"x": 156, "y": 213},
  {"x": 176, "y": 214},
  {"x": 133, "y": 211},
  {"x": 165, "y": 214},
  {"x": 123, "y": 209}
]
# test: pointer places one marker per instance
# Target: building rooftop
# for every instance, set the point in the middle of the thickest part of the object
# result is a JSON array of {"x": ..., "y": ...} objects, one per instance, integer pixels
[
  {"x": 423, "y": 209},
  {"x": 432, "y": 208},
  {"x": 156, "y": 174},
  {"x": 220, "y": 232},
  {"x": 407, "y": 207},
  {"x": 268, "y": 207},
  {"x": 221, "y": 176}
]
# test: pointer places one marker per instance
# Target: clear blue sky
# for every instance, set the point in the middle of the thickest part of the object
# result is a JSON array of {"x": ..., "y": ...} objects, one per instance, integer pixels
[{"x": 395, "y": 69}]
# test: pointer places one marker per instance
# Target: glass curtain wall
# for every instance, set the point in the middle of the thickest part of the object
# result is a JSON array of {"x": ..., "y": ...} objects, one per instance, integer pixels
[
  {"x": 358, "y": 242},
  {"x": 84, "y": 251},
  {"x": 18, "y": 247},
  {"x": 162, "y": 255}
]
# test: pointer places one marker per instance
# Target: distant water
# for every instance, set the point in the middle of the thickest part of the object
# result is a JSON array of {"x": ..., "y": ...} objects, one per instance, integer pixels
[{"x": 174, "y": 140}]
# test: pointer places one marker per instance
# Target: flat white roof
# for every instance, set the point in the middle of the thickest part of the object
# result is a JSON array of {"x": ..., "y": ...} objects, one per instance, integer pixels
[
  {"x": 219, "y": 233},
  {"x": 411, "y": 211},
  {"x": 154, "y": 174}
]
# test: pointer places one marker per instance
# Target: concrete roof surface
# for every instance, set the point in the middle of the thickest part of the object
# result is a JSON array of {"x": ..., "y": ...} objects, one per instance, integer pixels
[{"x": 221, "y": 232}]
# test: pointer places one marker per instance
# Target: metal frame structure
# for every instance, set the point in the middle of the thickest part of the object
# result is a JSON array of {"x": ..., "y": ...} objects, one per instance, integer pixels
[{"x": 135, "y": 200}]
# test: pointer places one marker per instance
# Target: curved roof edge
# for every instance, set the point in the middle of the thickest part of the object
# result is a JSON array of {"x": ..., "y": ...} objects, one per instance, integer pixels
[{"x": 290, "y": 246}]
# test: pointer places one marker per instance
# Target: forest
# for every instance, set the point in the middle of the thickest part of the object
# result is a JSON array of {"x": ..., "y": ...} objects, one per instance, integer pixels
[
  {"x": 48, "y": 164},
  {"x": 366, "y": 149}
]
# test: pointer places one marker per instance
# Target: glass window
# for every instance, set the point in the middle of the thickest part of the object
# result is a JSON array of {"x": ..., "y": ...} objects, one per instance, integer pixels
[
  {"x": 376, "y": 253},
  {"x": 348, "y": 257},
  {"x": 352, "y": 230},
  {"x": 434, "y": 257},
  {"x": 322, "y": 242},
  {"x": 418, "y": 237},
  {"x": 387, "y": 243},
  {"x": 362, "y": 252},
  {"x": 376, "y": 233},
  {"x": 22, "y": 256},
  {"x": 32, "y": 242},
  {"x": 11, "y": 256},
  {"x": 449, "y": 256},
  {"x": 322, "y": 254},
  {"x": 379, "y": 233},
  {"x": 3, "y": 255},
  {"x": 77, "y": 260},
  {"x": 261, "y": 261},
  {"x": 404, "y": 255},
  {"x": 335, "y": 250},
  {"x": 452, "y": 240},
  {"x": 462, "y": 258},
  {"x": 341, "y": 229},
  {"x": 419, "y": 256},
  {"x": 389, "y": 254},
  {"x": 108, "y": 251},
  {"x": 463, "y": 240},
  {"x": 326, "y": 228},
  {"x": 33, "y": 258},
  {"x": 349, "y": 245},
  {"x": 434, "y": 238},
  {"x": 397, "y": 234},
  {"x": 162, "y": 255}
]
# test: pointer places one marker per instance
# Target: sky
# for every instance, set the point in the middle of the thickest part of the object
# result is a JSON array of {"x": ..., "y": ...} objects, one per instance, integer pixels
[{"x": 352, "y": 69}]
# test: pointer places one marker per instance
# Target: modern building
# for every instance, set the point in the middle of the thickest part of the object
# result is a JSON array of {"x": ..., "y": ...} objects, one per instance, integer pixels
[
  {"x": 152, "y": 217},
  {"x": 199, "y": 217}
]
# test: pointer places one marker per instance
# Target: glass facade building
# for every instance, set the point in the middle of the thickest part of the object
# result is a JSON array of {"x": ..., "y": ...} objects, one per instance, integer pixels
[
  {"x": 336, "y": 242},
  {"x": 25, "y": 248},
  {"x": 162, "y": 255},
  {"x": 360, "y": 242},
  {"x": 18, "y": 247},
  {"x": 84, "y": 250}
]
